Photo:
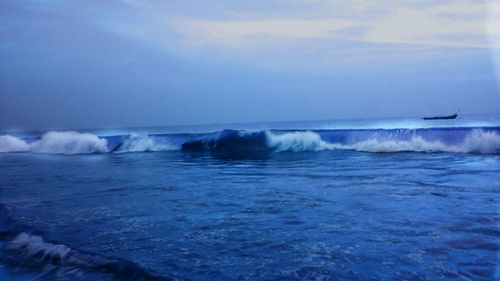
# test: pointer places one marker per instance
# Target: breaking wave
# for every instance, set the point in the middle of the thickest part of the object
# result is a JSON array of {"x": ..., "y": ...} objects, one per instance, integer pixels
[
  {"x": 30, "y": 246},
  {"x": 35, "y": 251},
  {"x": 69, "y": 143},
  {"x": 243, "y": 143},
  {"x": 299, "y": 141},
  {"x": 143, "y": 143},
  {"x": 476, "y": 142},
  {"x": 12, "y": 144},
  {"x": 60, "y": 262},
  {"x": 81, "y": 143},
  {"x": 56, "y": 143}
]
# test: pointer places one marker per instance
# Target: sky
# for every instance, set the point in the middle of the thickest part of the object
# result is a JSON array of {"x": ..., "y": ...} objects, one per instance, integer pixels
[{"x": 94, "y": 64}]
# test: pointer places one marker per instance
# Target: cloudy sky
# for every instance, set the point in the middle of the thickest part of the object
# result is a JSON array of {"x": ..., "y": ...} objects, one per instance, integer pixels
[{"x": 88, "y": 64}]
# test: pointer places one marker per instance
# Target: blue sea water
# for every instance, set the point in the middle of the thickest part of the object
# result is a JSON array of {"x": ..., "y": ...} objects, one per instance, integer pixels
[{"x": 391, "y": 199}]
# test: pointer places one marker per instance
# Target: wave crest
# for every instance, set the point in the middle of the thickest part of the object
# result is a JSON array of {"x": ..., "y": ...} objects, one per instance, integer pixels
[
  {"x": 56, "y": 143},
  {"x": 144, "y": 143},
  {"x": 69, "y": 143},
  {"x": 34, "y": 250},
  {"x": 34, "y": 247},
  {"x": 482, "y": 142},
  {"x": 477, "y": 141},
  {"x": 232, "y": 143},
  {"x": 12, "y": 144},
  {"x": 298, "y": 141}
]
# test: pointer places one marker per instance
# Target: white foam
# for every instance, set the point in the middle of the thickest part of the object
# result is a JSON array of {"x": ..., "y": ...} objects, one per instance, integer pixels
[
  {"x": 298, "y": 141},
  {"x": 80, "y": 143},
  {"x": 69, "y": 143},
  {"x": 32, "y": 246},
  {"x": 142, "y": 143},
  {"x": 12, "y": 144},
  {"x": 416, "y": 143},
  {"x": 478, "y": 141},
  {"x": 56, "y": 143},
  {"x": 481, "y": 142}
]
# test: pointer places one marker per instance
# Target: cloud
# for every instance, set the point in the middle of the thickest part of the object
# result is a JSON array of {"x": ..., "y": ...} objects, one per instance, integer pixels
[
  {"x": 451, "y": 24},
  {"x": 232, "y": 33},
  {"x": 301, "y": 32}
]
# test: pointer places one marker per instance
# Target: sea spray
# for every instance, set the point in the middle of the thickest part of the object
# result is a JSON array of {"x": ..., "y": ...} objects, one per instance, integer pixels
[
  {"x": 13, "y": 144},
  {"x": 144, "y": 143},
  {"x": 69, "y": 143},
  {"x": 229, "y": 142}
]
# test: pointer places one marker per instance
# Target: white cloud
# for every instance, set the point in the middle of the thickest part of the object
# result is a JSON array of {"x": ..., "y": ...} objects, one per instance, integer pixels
[
  {"x": 233, "y": 33},
  {"x": 458, "y": 24}
]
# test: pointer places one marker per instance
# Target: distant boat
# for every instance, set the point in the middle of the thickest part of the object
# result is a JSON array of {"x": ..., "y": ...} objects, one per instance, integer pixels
[{"x": 441, "y": 117}]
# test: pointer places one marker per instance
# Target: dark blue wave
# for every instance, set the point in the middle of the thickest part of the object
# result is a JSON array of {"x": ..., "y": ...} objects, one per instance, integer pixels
[{"x": 25, "y": 250}]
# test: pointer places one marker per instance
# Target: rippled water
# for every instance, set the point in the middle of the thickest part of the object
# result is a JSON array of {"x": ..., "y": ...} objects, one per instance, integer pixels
[
  {"x": 311, "y": 215},
  {"x": 304, "y": 202}
]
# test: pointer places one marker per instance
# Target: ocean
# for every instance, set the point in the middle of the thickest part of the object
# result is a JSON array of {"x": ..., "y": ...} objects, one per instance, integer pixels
[{"x": 378, "y": 199}]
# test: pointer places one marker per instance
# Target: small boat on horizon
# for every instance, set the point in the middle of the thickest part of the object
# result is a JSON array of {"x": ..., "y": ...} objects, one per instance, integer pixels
[{"x": 454, "y": 116}]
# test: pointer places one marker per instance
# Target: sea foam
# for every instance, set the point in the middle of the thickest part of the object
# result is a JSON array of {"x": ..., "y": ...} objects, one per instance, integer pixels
[
  {"x": 69, "y": 143},
  {"x": 56, "y": 143},
  {"x": 29, "y": 249},
  {"x": 34, "y": 247},
  {"x": 477, "y": 141},
  {"x": 12, "y": 144},
  {"x": 299, "y": 141},
  {"x": 144, "y": 143},
  {"x": 473, "y": 141}
]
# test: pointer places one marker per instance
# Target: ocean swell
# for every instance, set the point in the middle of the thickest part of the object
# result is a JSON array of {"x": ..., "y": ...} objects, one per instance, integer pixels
[
  {"x": 233, "y": 143},
  {"x": 20, "y": 248},
  {"x": 81, "y": 143},
  {"x": 32, "y": 250},
  {"x": 475, "y": 142}
]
